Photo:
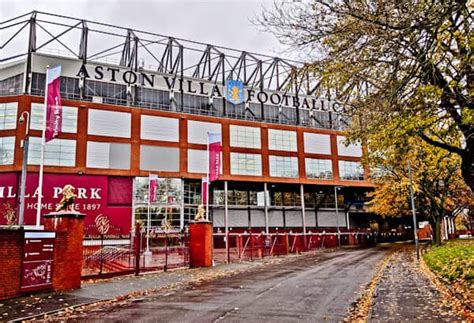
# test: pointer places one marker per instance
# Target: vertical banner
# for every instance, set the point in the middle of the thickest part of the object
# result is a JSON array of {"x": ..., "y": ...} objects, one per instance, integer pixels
[
  {"x": 204, "y": 185},
  {"x": 214, "y": 156},
  {"x": 53, "y": 104},
  {"x": 153, "y": 184}
]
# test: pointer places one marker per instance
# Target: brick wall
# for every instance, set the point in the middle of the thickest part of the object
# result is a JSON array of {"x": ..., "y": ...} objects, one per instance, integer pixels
[
  {"x": 67, "y": 251},
  {"x": 11, "y": 254}
]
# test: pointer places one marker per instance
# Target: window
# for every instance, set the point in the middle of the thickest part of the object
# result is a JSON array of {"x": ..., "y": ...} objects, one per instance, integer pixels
[
  {"x": 108, "y": 155},
  {"x": 153, "y": 99},
  {"x": 281, "y": 166},
  {"x": 58, "y": 152},
  {"x": 279, "y": 198},
  {"x": 167, "y": 205},
  {"x": 109, "y": 92},
  {"x": 234, "y": 197},
  {"x": 196, "y": 104},
  {"x": 351, "y": 171},
  {"x": 8, "y": 112},
  {"x": 197, "y": 161},
  {"x": 318, "y": 168},
  {"x": 69, "y": 121},
  {"x": 353, "y": 150},
  {"x": 197, "y": 131},
  {"x": 192, "y": 192},
  {"x": 159, "y": 158},
  {"x": 280, "y": 114},
  {"x": 12, "y": 85},
  {"x": 109, "y": 123},
  {"x": 315, "y": 143},
  {"x": 159, "y": 128},
  {"x": 282, "y": 140},
  {"x": 7, "y": 150},
  {"x": 245, "y": 164},
  {"x": 68, "y": 86},
  {"x": 247, "y": 137}
]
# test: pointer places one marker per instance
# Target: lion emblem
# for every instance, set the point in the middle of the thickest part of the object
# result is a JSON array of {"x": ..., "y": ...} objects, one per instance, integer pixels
[
  {"x": 200, "y": 215},
  {"x": 67, "y": 201}
]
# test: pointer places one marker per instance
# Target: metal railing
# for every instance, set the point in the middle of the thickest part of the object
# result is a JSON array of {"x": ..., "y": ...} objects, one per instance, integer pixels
[
  {"x": 249, "y": 246},
  {"x": 120, "y": 254}
]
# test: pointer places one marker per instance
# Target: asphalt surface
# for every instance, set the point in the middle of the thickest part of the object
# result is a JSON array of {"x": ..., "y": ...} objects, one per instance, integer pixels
[{"x": 310, "y": 288}]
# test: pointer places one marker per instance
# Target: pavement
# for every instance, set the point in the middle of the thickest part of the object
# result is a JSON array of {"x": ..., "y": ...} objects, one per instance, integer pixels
[
  {"x": 92, "y": 291},
  {"x": 312, "y": 287},
  {"x": 317, "y": 286},
  {"x": 405, "y": 293}
]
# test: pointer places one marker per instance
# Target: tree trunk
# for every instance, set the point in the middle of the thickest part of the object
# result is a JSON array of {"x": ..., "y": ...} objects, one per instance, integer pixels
[
  {"x": 437, "y": 233},
  {"x": 467, "y": 161}
]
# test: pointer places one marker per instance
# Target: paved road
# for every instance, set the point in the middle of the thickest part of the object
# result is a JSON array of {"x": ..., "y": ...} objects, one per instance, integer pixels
[{"x": 310, "y": 288}]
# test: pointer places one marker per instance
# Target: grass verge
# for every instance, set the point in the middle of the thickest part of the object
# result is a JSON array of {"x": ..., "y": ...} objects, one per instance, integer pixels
[{"x": 453, "y": 262}]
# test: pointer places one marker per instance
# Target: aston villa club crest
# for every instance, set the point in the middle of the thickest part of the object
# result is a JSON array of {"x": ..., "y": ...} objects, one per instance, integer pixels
[{"x": 235, "y": 91}]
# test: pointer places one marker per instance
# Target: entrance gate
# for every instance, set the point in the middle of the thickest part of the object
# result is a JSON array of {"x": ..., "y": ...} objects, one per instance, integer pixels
[{"x": 114, "y": 253}]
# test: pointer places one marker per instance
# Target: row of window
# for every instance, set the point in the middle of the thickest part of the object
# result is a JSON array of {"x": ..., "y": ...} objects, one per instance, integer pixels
[
  {"x": 118, "y": 124},
  {"x": 62, "y": 152},
  {"x": 195, "y": 104}
]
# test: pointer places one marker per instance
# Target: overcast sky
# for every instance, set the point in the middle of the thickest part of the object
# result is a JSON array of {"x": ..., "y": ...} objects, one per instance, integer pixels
[{"x": 218, "y": 22}]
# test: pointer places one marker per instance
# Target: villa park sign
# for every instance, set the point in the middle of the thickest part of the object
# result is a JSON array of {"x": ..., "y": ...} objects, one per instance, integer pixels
[{"x": 204, "y": 88}]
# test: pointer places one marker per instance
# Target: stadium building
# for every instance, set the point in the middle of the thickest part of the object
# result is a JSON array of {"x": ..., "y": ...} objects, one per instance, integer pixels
[{"x": 137, "y": 103}]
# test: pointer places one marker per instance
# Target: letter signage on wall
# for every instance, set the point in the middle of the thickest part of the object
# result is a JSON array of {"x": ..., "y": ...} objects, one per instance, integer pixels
[{"x": 92, "y": 196}]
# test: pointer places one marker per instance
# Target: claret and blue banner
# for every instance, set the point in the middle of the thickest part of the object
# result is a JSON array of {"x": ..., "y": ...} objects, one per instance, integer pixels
[{"x": 53, "y": 104}]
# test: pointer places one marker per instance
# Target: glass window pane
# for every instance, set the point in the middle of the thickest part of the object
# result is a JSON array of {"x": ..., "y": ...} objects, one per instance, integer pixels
[
  {"x": 282, "y": 140},
  {"x": 69, "y": 122},
  {"x": 8, "y": 115},
  {"x": 245, "y": 164},
  {"x": 281, "y": 166},
  {"x": 7, "y": 150},
  {"x": 247, "y": 137},
  {"x": 318, "y": 168},
  {"x": 352, "y": 171},
  {"x": 58, "y": 152}
]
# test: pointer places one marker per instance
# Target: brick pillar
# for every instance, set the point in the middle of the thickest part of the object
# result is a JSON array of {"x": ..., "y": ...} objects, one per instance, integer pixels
[
  {"x": 200, "y": 244},
  {"x": 69, "y": 228},
  {"x": 11, "y": 256}
]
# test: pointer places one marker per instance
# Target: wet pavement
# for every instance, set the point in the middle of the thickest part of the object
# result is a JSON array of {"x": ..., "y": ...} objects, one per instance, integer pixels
[
  {"x": 95, "y": 291},
  {"x": 315, "y": 287},
  {"x": 404, "y": 293}
]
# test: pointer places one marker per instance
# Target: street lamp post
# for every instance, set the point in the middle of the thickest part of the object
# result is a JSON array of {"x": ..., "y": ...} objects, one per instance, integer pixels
[
  {"x": 25, "y": 116},
  {"x": 413, "y": 212},
  {"x": 337, "y": 216}
]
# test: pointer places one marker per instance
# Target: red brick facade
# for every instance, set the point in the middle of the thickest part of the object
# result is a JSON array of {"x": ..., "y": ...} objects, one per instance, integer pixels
[{"x": 11, "y": 255}]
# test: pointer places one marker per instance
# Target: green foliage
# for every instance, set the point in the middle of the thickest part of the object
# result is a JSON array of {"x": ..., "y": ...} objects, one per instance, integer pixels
[
  {"x": 402, "y": 68},
  {"x": 454, "y": 261}
]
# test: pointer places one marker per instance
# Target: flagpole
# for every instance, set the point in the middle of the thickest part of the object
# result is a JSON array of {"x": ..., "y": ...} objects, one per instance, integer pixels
[
  {"x": 208, "y": 180},
  {"x": 43, "y": 143},
  {"x": 148, "y": 218}
]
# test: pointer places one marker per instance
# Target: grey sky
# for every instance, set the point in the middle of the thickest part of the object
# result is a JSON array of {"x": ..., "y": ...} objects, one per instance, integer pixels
[{"x": 218, "y": 22}]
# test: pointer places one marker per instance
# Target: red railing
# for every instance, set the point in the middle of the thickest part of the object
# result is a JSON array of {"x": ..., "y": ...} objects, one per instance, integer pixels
[
  {"x": 248, "y": 245},
  {"x": 118, "y": 254}
]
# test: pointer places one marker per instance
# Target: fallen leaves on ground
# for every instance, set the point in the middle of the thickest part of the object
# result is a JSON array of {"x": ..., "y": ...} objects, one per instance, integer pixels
[
  {"x": 453, "y": 263},
  {"x": 193, "y": 278},
  {"x": 459, "y": 292},
  {"x": 360, "y": 310}
]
